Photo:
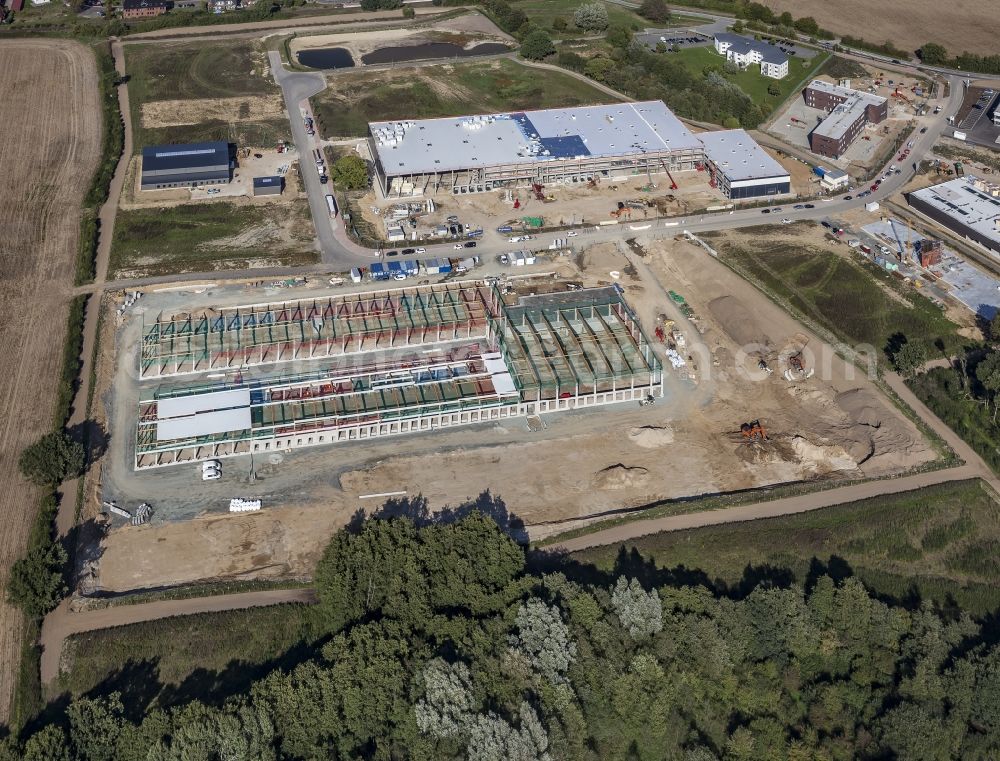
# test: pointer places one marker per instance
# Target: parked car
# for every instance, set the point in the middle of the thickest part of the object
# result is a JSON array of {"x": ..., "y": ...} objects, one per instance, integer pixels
[
  {"x": 923, "y": 130},
  {"x": 470, "y": 244},
  {"x": 503, "y": 259},
  {"x": 408, "y": 251},
  {"x": 420, "y": 250},
  {"x": 572, "y": 234},
  {"x": 810, "y": 206},
  {"x": 786, "y": 221},
  {"x": 211, "y": 470},
  {"x": 799, "y": 206},
  {"x": 398, "y": 276},
  {"x": 765, "y": 211},
  {"x": 392, "y": 253},
  {"x": 848, "y": 198},
  {"x": 458, "y": 246}
]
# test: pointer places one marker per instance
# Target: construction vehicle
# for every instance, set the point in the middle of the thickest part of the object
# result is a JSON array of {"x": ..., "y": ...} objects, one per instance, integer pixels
[
  {"x": 647, "y": 401},
  {"x": 537, "y": 189},
  {"x": 753, "y": 431},
  {"x": 593, "y": 182}
]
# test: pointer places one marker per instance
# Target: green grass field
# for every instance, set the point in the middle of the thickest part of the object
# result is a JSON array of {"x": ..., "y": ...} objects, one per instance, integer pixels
[
  {"x": 941, "y": 543},
  {"x": 202, "y": 69},
  {"x": 751, "y": 81},
  {"x": 211, "y": 236},
  {"x": 445, "y": 90},
  {"x": 851, "y": 299},
  {"x": 206, "y": 655}
]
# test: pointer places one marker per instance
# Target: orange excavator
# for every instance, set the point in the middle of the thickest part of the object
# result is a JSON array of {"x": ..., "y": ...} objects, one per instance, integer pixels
[{"x": 753, "y": 431}]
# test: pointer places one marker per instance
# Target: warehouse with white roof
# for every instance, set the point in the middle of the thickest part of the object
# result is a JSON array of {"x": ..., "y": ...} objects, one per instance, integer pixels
[
  {"x": 741, "y": 168},
  {"x": 477, "y": 154},
  {"x": 968, "y": 205}
]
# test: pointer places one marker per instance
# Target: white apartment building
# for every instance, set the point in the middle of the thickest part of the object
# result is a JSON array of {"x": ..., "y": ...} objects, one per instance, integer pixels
[{"x": 744, "y": 51}]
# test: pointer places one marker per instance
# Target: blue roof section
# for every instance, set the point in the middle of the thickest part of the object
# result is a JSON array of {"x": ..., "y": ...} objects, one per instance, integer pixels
[
  {"x": 564, "y": 147},
  {"x": 158, "y": 158},
  {"x": 267, "y": 182}
]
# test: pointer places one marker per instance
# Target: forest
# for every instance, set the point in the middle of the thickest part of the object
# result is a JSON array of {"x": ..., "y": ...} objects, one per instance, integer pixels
[{"x": 449, "y": 640}]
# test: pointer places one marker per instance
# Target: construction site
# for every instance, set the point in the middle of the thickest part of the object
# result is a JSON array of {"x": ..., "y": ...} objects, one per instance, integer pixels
[
  {"x": 379, "y": 363},
  {"x": 603, "y": 380}
]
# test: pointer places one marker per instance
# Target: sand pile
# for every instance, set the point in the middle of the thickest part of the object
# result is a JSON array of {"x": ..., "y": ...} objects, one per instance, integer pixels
[
  {"x": 620, "y": 477},
  {"x": 820, "y": 458},
  {"x": 737, "y": 321},
  {"x": 651, "y": 436},
  {"x": 877, "y": 440}
]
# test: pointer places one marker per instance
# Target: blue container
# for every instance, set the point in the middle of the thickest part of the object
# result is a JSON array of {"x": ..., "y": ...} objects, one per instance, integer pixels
[
  {"x": 378, "y": 271},
  {"x": 395, "y": 267},
  {"x": 505, "y": 229},
  {"x": 819, "y": 171},
  {"x": 474, "y": 233},
  {"x": 410, "y": 267}
]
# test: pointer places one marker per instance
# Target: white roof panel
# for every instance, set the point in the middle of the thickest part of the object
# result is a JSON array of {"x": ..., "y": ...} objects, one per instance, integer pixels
[
  {"x": 203, "y": 424},
  {"x": 523, "y": 137},
  {"x": 179, "y": 406},
  {"x": 739, "y": 157}
]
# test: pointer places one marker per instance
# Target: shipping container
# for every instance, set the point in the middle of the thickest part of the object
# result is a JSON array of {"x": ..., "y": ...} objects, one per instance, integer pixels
[
  {"x": 866, "y": 249},
  {"x": 331, "y": 204},
  {"x": 871, "y": 206},
  {"x": 505, "y": 229},
  {"x": 410, "y": 267},
  {"x": 819, "y": 171},
  {"x": 378, "y": 271},
  {"x": 474, "y": 233},
  {"x": 355, "y": 275}
]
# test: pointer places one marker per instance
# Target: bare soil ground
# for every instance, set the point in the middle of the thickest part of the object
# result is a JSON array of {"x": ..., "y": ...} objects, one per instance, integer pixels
[
  {"x": 908, "y": 24},
  {"x": 573, "y": 467},
  {"x": 171, "y": 113},
  {"x": 50, "y": 93}
]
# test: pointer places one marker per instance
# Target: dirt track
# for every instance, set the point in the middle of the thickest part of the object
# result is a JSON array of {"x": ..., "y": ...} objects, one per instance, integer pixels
[
  {"x": 45, "y": 164},
  {"x": 58, "y": 627}
]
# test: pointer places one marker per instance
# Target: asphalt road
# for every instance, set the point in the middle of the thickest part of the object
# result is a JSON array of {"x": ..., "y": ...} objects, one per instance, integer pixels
[{"x": 296, "y": 89}]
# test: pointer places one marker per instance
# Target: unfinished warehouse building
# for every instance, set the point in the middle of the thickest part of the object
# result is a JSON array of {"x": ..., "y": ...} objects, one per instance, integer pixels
[
  {"x": 378, "y": 364},
  {"x": 476, "y": 154}
]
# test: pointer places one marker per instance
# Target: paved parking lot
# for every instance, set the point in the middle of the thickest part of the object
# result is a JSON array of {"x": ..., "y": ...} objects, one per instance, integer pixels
[{"x": 682, "y": 38}]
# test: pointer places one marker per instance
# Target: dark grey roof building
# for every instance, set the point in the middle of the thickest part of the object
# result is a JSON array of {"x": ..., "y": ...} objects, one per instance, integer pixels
[
  {"x": 183, "y": 166},
  {"x": 267, "y": 186}
]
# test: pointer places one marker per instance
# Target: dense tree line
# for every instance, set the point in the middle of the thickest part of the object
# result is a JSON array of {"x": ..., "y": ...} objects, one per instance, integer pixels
[
  {"x": 934, "y": 54},
  {"x": 633, "y": 69},
  {"x": 441, "y": 641}
]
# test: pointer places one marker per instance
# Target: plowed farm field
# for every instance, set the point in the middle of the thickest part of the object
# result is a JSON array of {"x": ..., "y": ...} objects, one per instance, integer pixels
[{"x": 46, "y": 163}]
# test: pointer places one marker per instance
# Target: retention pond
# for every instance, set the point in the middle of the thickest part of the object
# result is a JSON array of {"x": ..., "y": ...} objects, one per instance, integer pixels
[
  {"x": 326, "y": 58},
  {"x": 430, "y": 50}
]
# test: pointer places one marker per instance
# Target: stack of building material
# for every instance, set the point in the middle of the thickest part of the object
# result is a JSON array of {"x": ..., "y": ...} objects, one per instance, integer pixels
[{"x": 237, "y": 505}]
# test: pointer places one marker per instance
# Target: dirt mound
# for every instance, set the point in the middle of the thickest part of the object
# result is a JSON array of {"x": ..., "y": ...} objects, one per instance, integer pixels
[
  {"x": 877, "y": 439},
  {"x": 651, "y": 436},
  {"x": 822, "y": 458},
  {"x": 620, "y": 477},
  {"x": 736, "y": 320}
]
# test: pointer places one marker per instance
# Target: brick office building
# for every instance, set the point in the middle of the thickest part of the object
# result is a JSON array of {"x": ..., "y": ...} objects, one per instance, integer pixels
[{"x": 848, "y": 111}]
